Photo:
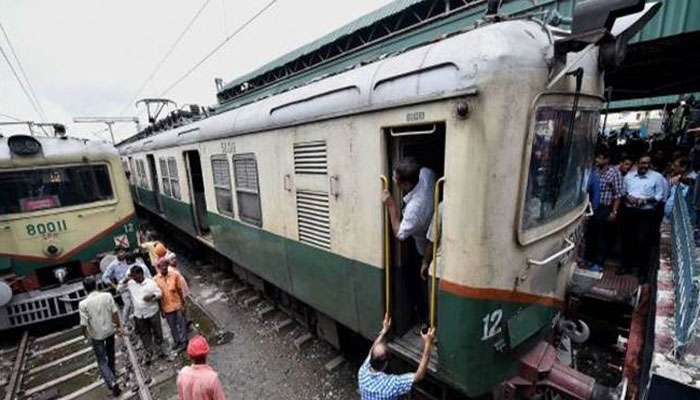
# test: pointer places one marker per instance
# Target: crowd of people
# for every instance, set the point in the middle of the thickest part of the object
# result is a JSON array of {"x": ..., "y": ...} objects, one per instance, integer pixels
[
  {"x": 632, "y": 188},
  {"x": 147, "y": 298}
]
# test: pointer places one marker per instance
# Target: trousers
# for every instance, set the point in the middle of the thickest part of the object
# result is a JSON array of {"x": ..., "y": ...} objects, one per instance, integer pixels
[
  {"x": 104, "y": 352},
  {"x": 597, "y": 235},
  {"x": 176, "y": 322},
  {"x": 150, "y": 332}
]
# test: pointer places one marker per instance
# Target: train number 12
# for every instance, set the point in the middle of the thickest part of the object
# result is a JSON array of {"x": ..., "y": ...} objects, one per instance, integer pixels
[{"x": 492, "y": 324}]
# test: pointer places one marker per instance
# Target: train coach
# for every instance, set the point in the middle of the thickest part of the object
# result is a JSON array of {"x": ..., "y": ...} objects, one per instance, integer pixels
[
  {"x": 288, "y": 187},
  {"x": 63, "y": 202}
]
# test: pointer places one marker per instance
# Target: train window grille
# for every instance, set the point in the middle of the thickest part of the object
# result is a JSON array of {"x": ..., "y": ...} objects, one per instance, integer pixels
[
  {"x": 222, "y": 184},
  {"x": 174, "y": 180},
  {"x": 164, "y": 177},
  {"x": 245, "y": 170},
  {"x": 313, "y": 218},
  {"x": 311, "y": 158},
  {"x": 141, "y": 172}
]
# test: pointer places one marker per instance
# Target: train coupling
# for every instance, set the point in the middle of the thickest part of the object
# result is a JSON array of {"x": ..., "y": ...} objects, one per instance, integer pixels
[{"x": 541, "y": 375}]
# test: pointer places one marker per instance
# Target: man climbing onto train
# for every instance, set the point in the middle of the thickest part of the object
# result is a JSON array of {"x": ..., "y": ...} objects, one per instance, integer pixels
[
  {"x": 199, "y": 381},
  {"x": 145, "y": 295},
  {"x": 172, "y": 302},
  {"x": 418, "y": 184},
  {"x": 100, "y": 322},
  {"x": 375, "y": 384}
]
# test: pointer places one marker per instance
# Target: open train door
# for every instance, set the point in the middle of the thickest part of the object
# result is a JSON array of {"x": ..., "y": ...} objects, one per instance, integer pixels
[
  {"x": 154, "y": 182},
  {"x": 196, "y": 185}
]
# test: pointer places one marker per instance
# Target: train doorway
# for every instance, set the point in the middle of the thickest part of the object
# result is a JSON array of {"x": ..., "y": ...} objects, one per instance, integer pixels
[
  {"x": 133, "y": 179},
  {"x": 154, "y": 182},
  {"x": 197, "y": 198},
  {"x": 426, "y": 144}
]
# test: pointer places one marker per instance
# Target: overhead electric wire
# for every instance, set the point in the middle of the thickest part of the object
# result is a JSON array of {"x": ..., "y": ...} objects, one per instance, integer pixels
[
  {"x": 42, "y": 114},
  {"x": 165, "y": 57},
  {"x": 11, "y": 117},
  {"x": 218, "y": 47},
  {"x": 24, "y": 89}
]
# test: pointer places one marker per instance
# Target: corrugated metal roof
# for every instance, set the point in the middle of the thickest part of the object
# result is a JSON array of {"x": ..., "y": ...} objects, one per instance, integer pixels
[{"x": 362, "y": 22}]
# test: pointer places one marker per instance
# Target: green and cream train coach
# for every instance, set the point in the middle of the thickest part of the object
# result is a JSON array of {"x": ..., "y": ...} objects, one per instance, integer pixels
[
  {"x": 63, "y": 202},
  {"x": 289, "y": 187}
]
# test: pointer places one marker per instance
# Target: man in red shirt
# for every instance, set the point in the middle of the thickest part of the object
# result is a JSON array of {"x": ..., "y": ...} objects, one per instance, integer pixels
[{"x": 199, "y": 381}]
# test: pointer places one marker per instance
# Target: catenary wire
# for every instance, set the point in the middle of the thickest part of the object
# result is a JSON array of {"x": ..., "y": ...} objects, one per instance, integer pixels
[
  {"x": 165, "y": 57},
  {"x": 24, "y": 74},
  {"x": 218, "y": 47},
  {"x": 24, "y": 89}
]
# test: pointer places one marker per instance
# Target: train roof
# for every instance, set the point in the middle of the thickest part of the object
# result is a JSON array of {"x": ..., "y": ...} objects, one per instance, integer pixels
[
  {"x": 60, "y": 149},
  {"x": 445, "y": 68}
]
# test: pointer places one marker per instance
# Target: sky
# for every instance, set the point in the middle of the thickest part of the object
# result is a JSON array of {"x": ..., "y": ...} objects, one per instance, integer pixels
[{"x": 90, "y": 57}]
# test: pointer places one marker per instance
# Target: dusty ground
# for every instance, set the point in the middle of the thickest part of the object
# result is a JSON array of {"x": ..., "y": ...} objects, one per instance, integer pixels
[{"x": 261, "y": 363}]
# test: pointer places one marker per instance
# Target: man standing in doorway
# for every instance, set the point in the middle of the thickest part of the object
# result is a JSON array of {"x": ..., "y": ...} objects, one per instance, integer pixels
[
  {"x": 418, "y": 184},
  {"x": 375, "y": 384},
  {"x": 172, "y": 302},
  {"x": 145, "y": 294},
  {"x": 100, "y": 321},
  {"x": 643, "y": 191},
  {"x": 610, "y": 183}
]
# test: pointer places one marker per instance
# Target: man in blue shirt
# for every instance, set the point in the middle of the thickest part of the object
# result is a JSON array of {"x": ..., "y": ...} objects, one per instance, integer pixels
[
  {"x": 375, "y": 384},
  {"x": 644, "y": 190}
]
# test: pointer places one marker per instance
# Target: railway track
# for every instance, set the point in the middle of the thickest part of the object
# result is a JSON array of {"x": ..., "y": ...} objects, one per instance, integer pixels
[{"x": 62, "y": 365}]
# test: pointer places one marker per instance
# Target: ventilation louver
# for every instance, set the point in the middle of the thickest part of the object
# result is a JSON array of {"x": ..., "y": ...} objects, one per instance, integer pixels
[
  {"x": 313, "y": 218},
  {"x": 310, "y": 158}
]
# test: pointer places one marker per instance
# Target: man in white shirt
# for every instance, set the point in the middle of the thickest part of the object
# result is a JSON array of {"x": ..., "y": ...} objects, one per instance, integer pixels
[
  {"x": 145, "y": 295},
  {"x": 418, "y": 184},
  {"x": 98, "y": 317},
  {"x": 644, "y": 190}
]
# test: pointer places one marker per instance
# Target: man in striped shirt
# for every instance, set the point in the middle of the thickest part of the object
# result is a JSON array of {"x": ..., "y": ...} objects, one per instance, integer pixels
[
  {"x": 375, "y": 384},
  {"x": 611, "y": 188}
]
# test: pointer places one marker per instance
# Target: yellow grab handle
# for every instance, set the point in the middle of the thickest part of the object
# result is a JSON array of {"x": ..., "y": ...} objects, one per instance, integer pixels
[
  {"x": 436, "y": 243},
  {"x": 387, "y": 276}
]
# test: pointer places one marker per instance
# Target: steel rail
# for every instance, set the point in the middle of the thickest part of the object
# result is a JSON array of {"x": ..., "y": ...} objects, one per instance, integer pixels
[{"x": 13, "y": 386}]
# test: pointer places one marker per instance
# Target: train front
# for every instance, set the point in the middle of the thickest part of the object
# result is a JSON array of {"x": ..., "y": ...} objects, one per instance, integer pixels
[
  {"x": 515, "y": 202},
  {"x": 63, "y": 203}
]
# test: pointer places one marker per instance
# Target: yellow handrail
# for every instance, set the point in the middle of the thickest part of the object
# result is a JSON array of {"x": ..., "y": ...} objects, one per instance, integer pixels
[
  {"x": 387, "y": 228},
  {"x": 436, "y": 243}
]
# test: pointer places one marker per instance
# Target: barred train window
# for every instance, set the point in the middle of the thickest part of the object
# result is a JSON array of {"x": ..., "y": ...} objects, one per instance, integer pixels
[
  {"x": 222, "y": 184},
  {"x": 141, "y": 172},
  {"x": 245, "y": 170},
  {"x": 164, "y": 177},
  {"x": 174, "y": 181}
]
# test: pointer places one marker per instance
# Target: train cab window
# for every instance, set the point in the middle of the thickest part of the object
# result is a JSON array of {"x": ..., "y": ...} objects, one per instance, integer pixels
[
  {"x": 245, "y": 170},
  {"x": 559, "y": 164},
  {"x": 222, "y": 184},
  {"x": 46, "y": 188}
]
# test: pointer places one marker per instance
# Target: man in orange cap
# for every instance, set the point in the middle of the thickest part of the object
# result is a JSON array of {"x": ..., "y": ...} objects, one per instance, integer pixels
[
  {"x": 199, "y": 381},
  {"x": 174, "y": 290}
]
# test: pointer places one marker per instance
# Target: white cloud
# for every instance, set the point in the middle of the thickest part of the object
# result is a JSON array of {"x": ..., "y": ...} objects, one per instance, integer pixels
[{"x": 87, "y": 57}]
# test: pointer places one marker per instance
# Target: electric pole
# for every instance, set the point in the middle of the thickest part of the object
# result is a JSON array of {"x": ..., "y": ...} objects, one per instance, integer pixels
[{"x": 106, "y": 120}]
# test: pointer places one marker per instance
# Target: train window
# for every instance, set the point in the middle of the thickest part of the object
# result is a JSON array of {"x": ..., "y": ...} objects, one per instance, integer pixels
[
  {"x": 245, "y": 170},
  {"x": 559, "y": 164},
  {"x": 174, "y": 181},
  {"x": 142, "y": 180},
  {"x": 164, "y": 175},
  {"x": 45, "y": 188},
  {"x": 222, "y": 184}
]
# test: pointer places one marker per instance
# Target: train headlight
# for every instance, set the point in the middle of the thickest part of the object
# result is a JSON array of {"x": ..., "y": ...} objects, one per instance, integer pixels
[
  {"x": 53, "y": 249},
  {"x": 5, "y": 293},
  {"x": 24, "y": 145}
]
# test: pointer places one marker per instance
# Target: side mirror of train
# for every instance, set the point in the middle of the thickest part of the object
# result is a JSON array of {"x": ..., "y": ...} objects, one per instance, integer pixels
[{"x": 609, "y": 24}]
